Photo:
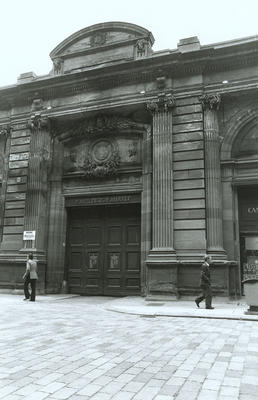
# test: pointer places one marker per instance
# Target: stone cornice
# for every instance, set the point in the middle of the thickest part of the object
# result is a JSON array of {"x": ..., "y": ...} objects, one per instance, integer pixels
[{"x": 130, "y": 72}]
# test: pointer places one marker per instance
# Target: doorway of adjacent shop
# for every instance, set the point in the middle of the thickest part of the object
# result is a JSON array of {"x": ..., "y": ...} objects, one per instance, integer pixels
[{"x": 248, "y": 229}]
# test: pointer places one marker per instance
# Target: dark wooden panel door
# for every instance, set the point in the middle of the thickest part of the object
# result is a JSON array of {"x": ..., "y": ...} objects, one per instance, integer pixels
[
  {"x": 105, "y": 246},
  {"x": 122, "y": 250},
  {"x": 76, "y": 259},
  {"x": 132, "y": 269},
  {"x": 93, "y": 269}
]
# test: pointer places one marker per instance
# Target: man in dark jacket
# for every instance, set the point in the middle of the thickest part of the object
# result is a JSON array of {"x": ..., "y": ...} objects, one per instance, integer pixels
[{"x": 205, "y": 284}]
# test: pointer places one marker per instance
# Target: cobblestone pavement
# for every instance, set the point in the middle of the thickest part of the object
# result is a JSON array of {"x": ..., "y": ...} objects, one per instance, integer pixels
[{"x": 76, "y": 349}]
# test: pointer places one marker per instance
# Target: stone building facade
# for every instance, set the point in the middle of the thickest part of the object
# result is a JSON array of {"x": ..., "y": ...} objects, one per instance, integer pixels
[{"x": 123, "y": 166}]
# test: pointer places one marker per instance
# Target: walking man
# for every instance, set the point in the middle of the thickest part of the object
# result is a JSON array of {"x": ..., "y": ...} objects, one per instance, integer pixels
[
  {"x": 205, "y": 284},
  {"x": 30, "y": 277}
]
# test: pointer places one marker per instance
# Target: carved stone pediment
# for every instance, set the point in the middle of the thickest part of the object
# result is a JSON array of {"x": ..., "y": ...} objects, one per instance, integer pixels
[
  {"x": 98, "y": 126},
  {"x": 102, "y": 43}
]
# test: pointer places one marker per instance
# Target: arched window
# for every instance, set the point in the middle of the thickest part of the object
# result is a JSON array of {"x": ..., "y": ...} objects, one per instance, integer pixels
[{"x": 246, "y": 143}]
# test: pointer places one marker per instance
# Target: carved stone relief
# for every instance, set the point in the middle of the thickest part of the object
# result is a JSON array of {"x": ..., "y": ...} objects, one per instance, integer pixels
[
  {"x": 58, "y": 66},
  {"x": 98, "y": 39},
  {"x": 101, "y": 157}
]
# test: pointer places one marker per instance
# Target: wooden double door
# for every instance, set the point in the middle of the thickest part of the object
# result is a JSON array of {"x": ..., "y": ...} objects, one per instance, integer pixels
[{"x": 104, "y": 250}]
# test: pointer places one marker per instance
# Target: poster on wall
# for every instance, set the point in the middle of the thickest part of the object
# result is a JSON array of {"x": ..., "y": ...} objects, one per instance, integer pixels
[{"x": 250, "y": 268}]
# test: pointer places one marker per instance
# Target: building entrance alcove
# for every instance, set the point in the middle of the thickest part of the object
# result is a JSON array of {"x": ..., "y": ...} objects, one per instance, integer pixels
[
  {"x": 103, "y": 250},
  {"x": 248, "y": 230}
]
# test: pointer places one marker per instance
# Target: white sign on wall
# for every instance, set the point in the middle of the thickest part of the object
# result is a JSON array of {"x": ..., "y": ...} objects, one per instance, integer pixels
[{"x": 29, "y": 235}]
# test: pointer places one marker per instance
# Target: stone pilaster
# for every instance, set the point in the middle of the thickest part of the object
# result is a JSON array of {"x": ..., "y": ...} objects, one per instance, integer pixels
[
  {"x": 162, "y": 181},
  {"x": 36, "y": 211},
  {"x": 4, "y": 145},
  {"x": 213, "y": 187},
  {"x": 146, "y": 204}
]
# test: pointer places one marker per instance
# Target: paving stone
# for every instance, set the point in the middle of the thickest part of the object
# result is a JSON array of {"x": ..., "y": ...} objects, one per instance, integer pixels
[
  {"x": 37, "y": 396},
  {"x": 248, "y": 389},
  {"x": 12, "y": 397},
  {"x": 208, "y": 395},
  {"x": 170, "y": 390},
  {"x": 211, "y": 384},
  {"x": 46, "y": 380},
  {"x": 231, "y": 382},
  {"x": 229, "y": 391},
  {"x": 146, "y": 393},
  {"x": 89, "y": 390},
  {"x": 123, "y": 396},
  {"x": 52, "y": 387},
  {"x": 101, "y": 396},
  {"x": 118, "y": 356},
  {"x": 133, "y": 386},
  {"x": 64, "y": 393}
]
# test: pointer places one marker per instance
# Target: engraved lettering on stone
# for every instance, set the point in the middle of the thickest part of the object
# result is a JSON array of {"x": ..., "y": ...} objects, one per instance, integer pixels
[{"x": 102, "y": 200}]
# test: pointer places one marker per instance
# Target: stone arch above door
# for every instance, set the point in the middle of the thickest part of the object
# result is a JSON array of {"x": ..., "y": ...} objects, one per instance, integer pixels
[{"x": 245, "y": 122}]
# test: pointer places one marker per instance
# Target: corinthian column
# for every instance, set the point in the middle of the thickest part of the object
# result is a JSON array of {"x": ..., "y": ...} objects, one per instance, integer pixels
[
  {"x": 162, "y": 180},
  {"x": 37, "y": 188},
  {"x": 213, "y": 189}
]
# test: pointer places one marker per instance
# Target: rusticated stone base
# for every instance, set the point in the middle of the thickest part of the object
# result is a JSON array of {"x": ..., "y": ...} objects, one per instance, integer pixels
[
  {"x": 174, "y": 281},
  {"x": 11, "y": 272}
]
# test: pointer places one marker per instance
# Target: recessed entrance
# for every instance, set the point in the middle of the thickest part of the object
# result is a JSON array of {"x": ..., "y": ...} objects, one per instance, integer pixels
[
  {"x": 248, "y": 228},
  {"x": 104, "y": 250}
]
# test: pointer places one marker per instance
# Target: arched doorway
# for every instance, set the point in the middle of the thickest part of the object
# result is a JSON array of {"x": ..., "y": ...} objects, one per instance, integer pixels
[{"x": 239, "y": 155}]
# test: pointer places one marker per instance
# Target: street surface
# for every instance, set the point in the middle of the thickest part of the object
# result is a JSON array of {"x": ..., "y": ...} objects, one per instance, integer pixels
[{"x": 76, "y": 349}]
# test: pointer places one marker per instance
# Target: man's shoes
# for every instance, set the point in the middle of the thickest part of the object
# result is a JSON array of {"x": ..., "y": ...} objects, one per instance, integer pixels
[
  {"x": 209, "y": 308},
  {"x": 25, "y": 299},
  {"x": 196, "y": 302}
]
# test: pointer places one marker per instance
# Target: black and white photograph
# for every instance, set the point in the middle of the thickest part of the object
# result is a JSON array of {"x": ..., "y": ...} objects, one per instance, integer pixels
[{"x": 128, "y": 200}]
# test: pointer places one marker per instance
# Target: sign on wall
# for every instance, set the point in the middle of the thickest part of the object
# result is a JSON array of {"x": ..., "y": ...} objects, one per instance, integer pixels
[
  {"x": 250, "y": 268},
  {"x": 29, "y": 235}
]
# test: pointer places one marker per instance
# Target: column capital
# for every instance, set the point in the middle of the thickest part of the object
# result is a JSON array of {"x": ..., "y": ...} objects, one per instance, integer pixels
[
  {"x": 5, "y": 130},
  {"x": 163, "y": 103},
  {"x": 210, "y": 101},
  {"x": 37, "y": 122}
]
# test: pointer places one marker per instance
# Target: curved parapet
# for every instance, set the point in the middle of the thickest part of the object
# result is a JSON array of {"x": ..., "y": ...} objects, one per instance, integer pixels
[{"x": 100, "y": 44}]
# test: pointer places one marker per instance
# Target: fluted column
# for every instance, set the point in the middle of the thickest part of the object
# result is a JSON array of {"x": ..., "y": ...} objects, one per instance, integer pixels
[
  {"x": 36, "y": 210},
  {"x": 213, "y": 187},
  {"x": 162, "y": 180}
]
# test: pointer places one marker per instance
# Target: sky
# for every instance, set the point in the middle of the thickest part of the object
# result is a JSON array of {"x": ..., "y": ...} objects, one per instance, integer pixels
[{"x": 31, "y": 29}]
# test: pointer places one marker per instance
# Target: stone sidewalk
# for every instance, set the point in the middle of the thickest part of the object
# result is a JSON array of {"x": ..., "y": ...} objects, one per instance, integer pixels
[
  {"x": 223, "y": 308},
  {"x": 101, "y": 348}
]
